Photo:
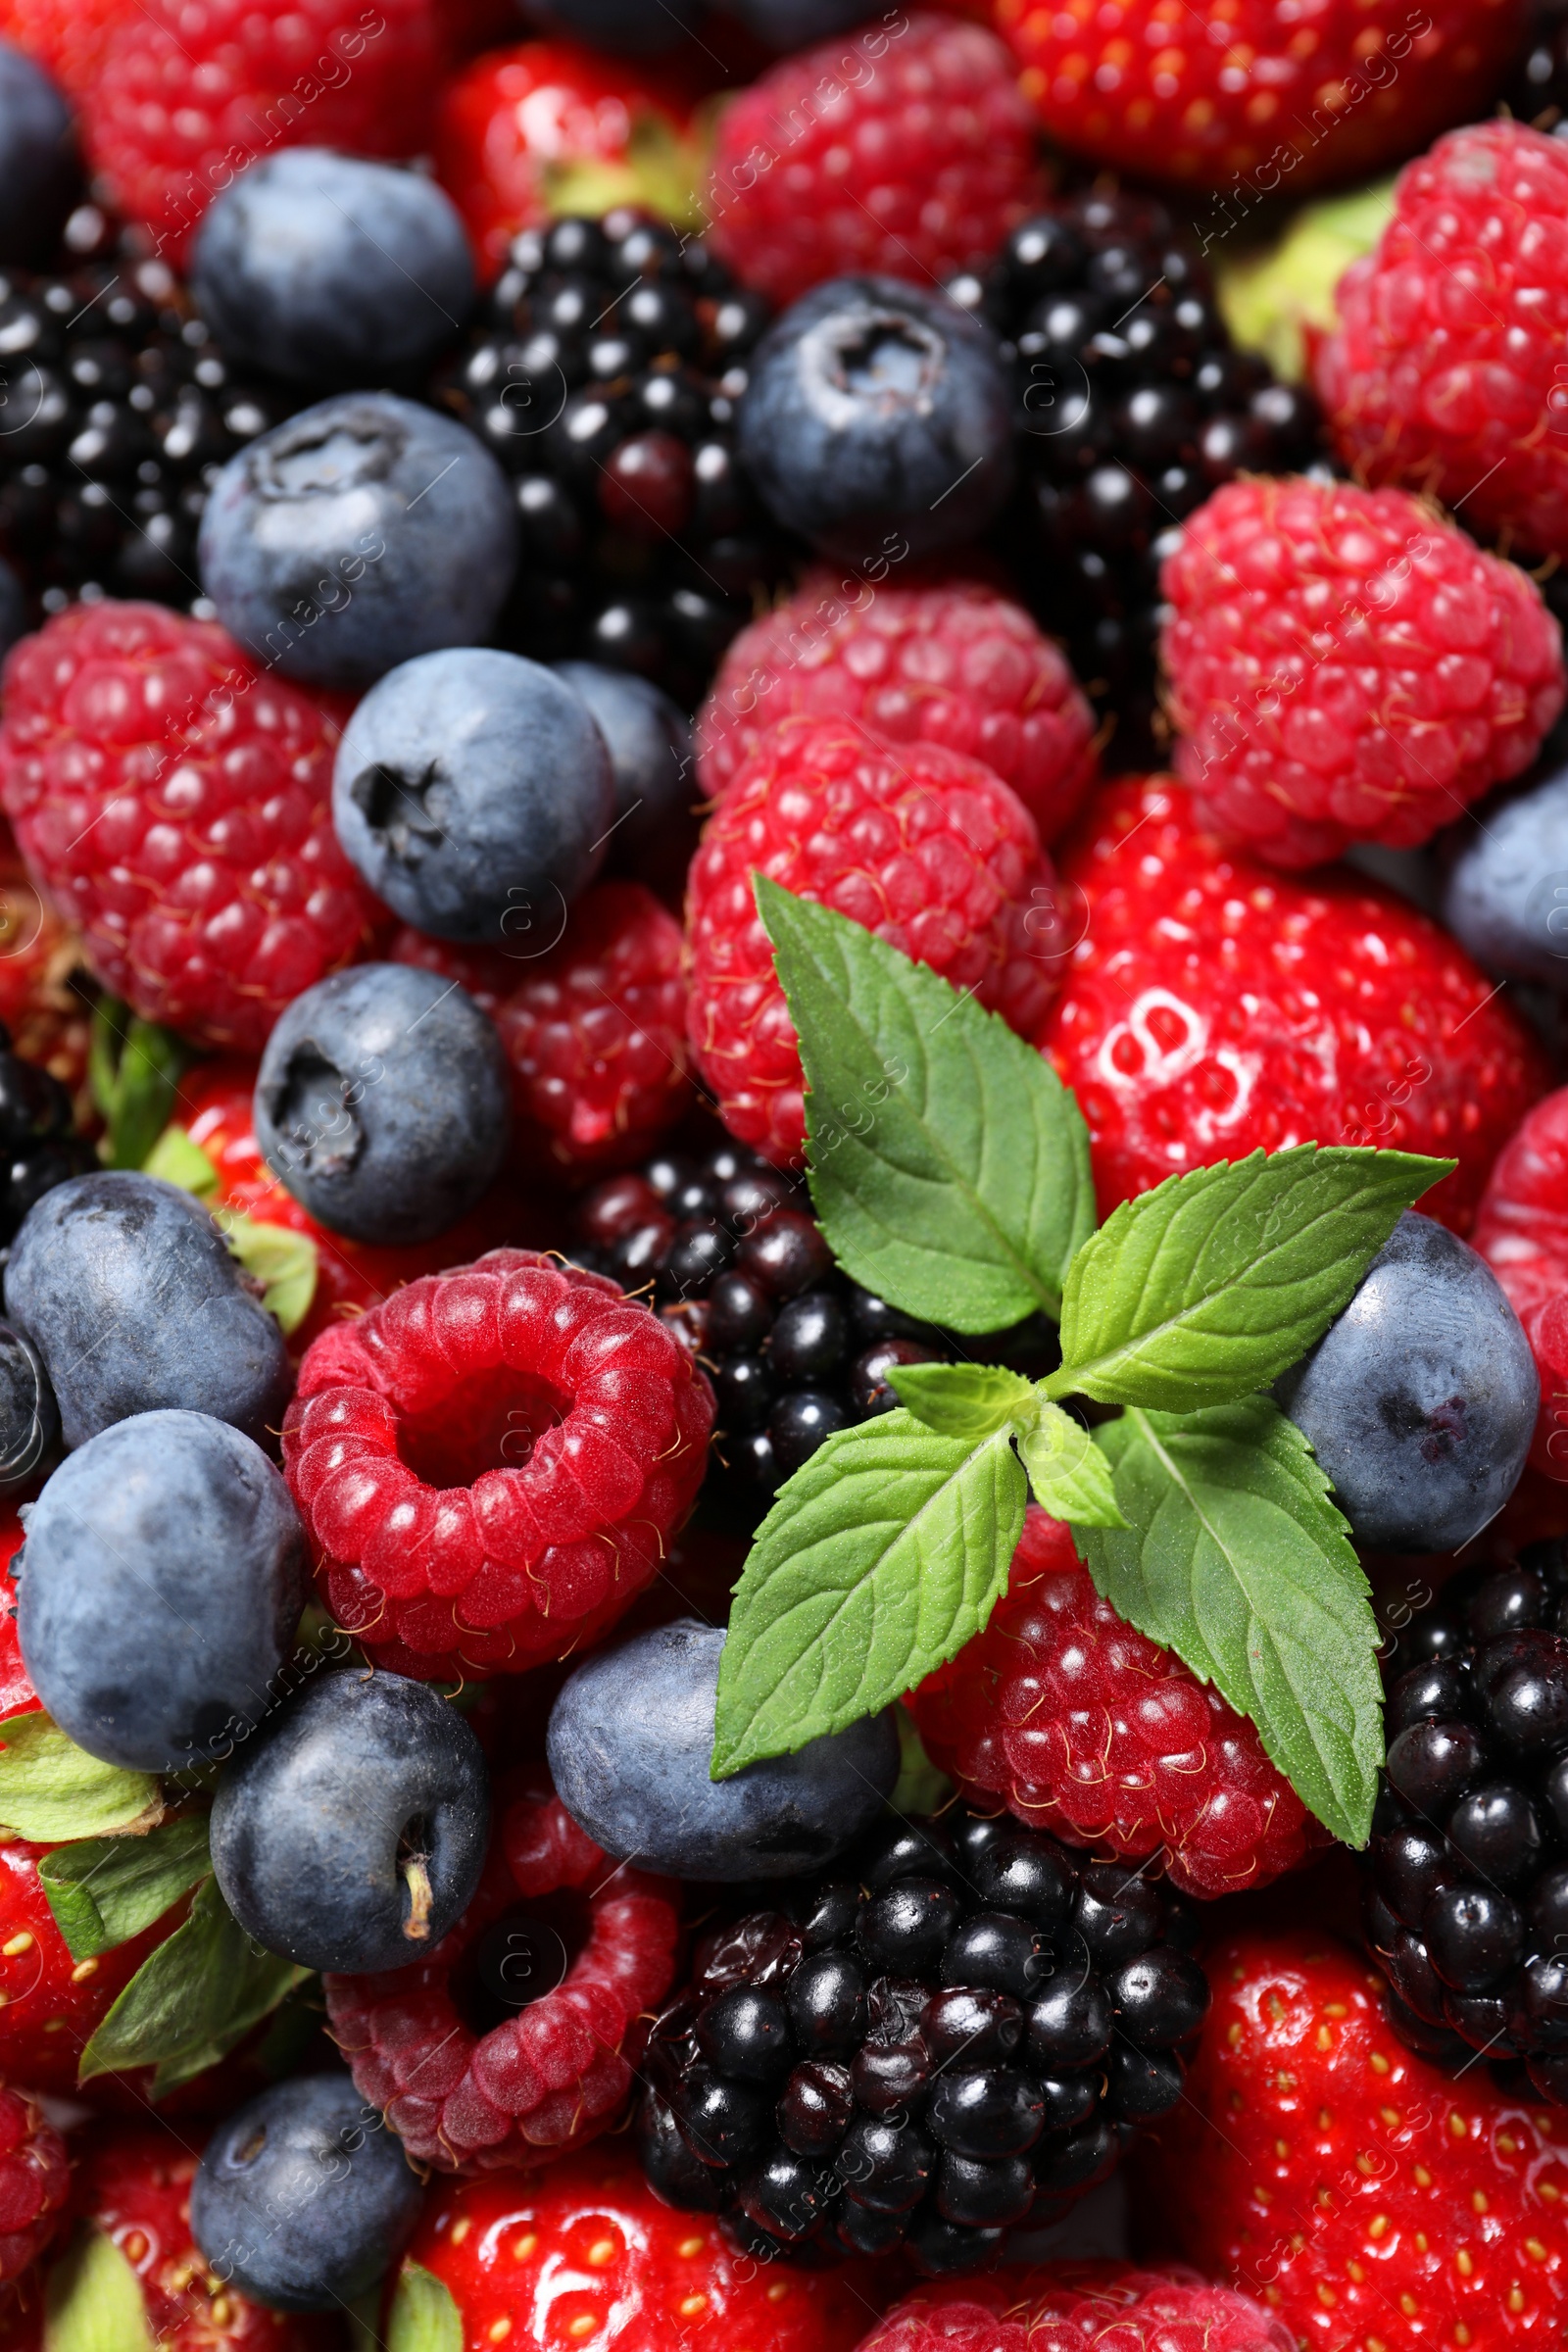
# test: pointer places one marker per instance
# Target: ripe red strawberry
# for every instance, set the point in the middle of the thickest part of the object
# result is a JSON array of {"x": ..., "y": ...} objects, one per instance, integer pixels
[
  {"x": 1078, "y": 2307},
  {"x": 1521, "y": 1230},
  {"x": 906, "y": 150},
  {"x": 492, "y": 1462},
  {"x": 176, "y": 802},
  {"x": 465, "y": 2076},
  {"x": 65, "y": 36},
  {"x": 1213, "y": 1006},
  {"x": 1435, "y": 375},
  {"x": 925, "y": 846},
  {"x": 51, "y": 2005},
  {"x": 957, "y": 664},
  {"x": 1088, "y": 1730},
  {"x": 1269, "y": 95},
  {"x": 1345, "y": 668},
  {"x": 1360, "y": 2194},
  {"x": 583, "y": 2257},
  {"x": 34, "y": 2181},
  {"x": 187, "y": 93}
]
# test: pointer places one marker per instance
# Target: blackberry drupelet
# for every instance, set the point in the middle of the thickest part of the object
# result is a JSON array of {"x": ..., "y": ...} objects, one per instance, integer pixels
[
  {"x": 120, "y": 411},
  {"x": 1466, "y": 1902},
  {"x": 1132, "y": 407},
  {"x": 1537, "y": 87},
  {"x": 604, "y": 376},
  {"x": 39, "y": 1147},
  {"x": 952, "y": 2033}
]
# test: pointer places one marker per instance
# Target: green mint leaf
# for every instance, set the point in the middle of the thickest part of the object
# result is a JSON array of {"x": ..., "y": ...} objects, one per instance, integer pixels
[
  {"x": 92, "y": 2299},
  {"x": 135, "y": 1069},
  {"x": 285, "y": 1264},
  {"x": 1209, "y": 1287},
  {"x": 1234, "y": 1558},
  {"x": 425, "y": 2318},
  {"x": 879, "y": 1559},
  {"x": 178, "y": 1160},
  {"x": 195, "y": 1996},
  {"x": 52, "y": 1791},
  {"x": 1068, "y": 1474},
  {"x": 949, "y": 1164},
  {"x": 965, "y": 1400},
  {"x": 103, "y": 1890}
]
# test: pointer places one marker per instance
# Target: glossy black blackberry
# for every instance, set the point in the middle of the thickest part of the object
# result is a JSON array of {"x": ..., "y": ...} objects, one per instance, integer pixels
[
  {"x": 39, "y": 1147},
  {"x": 119, "y": 412},
  {"x": 1538, "y": 88},
  {"x": 604, "y": 376},
  {"x": 953, "y": 2035},
  {"x": 1466, "y": 1903},
  {"x": 1134, "y": 406}
]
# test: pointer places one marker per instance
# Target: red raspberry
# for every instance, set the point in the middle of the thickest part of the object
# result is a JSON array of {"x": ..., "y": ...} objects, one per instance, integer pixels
[
  {"x": 906, "y": 150},
  {"x": 1079, "y": 2307},
  {"x": 1344, "y": 668},
  {"x": 923, "y": 845},
  {"x": 1215, "y": 1007},
  {"x": 1272, "y": 93},
  {"x": 1444, "y": 372},
  {"x": 65, "y": 36},
  {"x": 34, "y": 2181},
  {"x": 187, "y": 93},
  {"x": 602, "y": 1943},
  {"x": 1088, "y": 1730},
  {"x": 48, "y": 1021},
  {"x": 492, "y": 1462},
  {"x": 956, "y": 664},
  {"x": 1521, "y": 1230},
  {"x": 584, "y": 2254},
  {"x": 176, "y": 802}
]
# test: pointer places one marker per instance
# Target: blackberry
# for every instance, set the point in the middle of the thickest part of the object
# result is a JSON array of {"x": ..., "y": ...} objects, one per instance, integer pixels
[
  {"x": 119, "y": 412},
  {"x": 39, "y": 1147},
  {"x": 954, "y": 2033},
  {"x": 1132, "y": 407},
  {"x": 1538, "y": 88},
  {"x": 1466, "y": 1896},
  {"x": 604, "y": 376}
]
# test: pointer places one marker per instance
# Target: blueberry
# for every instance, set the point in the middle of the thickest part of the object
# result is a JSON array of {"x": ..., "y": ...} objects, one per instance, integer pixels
[
  {"x": 631, "y": 1741},
  {"x": 30, "y": 1422},
  {"x": 1420, "y": 1402},
  {"x": 473, "y": 792},
  {"x": 161, "y": 1582},
  {"x": 629, "y": 26},
  {"x": 1508, "y": 895},
  {"x": 350, "y": 1833},
  {"x": 362, "y": 532},
  {"x": 129, "y": 1294},
  {"x": 304, "y": 2197},
  {"x": 327, "y": 270},
  {"x": 796, "y": 23},
  {"x": 649, "y": 739},
  {"x": 384, "y": 1102},
  {"x": 39, "y": 173},
  {"x": 877, "y": 421}
]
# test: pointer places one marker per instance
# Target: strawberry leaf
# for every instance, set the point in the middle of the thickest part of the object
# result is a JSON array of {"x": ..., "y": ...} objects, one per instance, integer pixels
[
  {"x": 425, "y": 2316},
  {"x": 93, "y": 2300},
  {"x": 103, "y": 1890},
  {"x": 52, "y": 1791},
  {"x": 192, "y": 1999}
]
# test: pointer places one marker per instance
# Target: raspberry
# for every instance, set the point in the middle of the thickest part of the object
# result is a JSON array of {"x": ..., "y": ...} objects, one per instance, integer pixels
[
  {"x": 906, "y": 151},
  {"x": 34, "y": 2181},
  {"x": 176, "y": 802},
  {"x": 1344, "y": 668},
  {"x": 1088, "y": 1728},
  {"x": 956, "y": 664},
  {"x": 187, "y": 93},
  {"x": 491, "y": 1461},
  {"x": 1094, "y": 2306},
  {"x": 47, "y": 1020},
  {"x": 1215, "y": 1007},
  {"x": 1437, "y": 374},
  {"x": 1521, "y": 1230},
  {"x": 924, "y": 846},
  {"x": 1266, "y": 95},
  {"x": 505, "y": 2046}
]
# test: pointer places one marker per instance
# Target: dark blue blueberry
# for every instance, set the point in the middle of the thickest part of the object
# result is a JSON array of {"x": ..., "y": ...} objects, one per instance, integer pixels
[
  {"x": 1508, "y": 895},
  {"x": 161, "y": 1583},
  {"x": 327, "y": 270},
  {"x": 879, "y": 420},
  {"x": 795, "y": 24},
  {"x": 1420, "y": 1400},
  {"x": 350, "y": 1833},
  {"x": 384, "y": 1102},
  {"x": 362, "y": 532},
  {"x": 631, "y": 1741},
  {"x": 473, "y": 792},
  {"x": 39, "y": 173},
  {"x": 304, "y": 2197},
  {"x": 131, "y": 1295},
  {"x": 30, "y": 1423},
  {"x": 650, "y": 742}
]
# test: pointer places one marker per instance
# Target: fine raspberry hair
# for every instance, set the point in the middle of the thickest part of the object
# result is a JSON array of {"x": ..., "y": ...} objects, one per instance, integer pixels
[
  {"x": 925, "y": 846},
  {"x": 1430, "y": 378},
  {"x": 175, "y": 803},
  {"x": 1346, "y": 667},
  {"x": 491, "y": 1463},
  {"x": 956, "y": 664},
  {"x": 1088, "y": 1730},
  {"x": 907, "y": 149},
  {"x": 34, "y": 2181},
  {"x": 462, "y": 2079},
  {"x": 1079, "y": 2307}
]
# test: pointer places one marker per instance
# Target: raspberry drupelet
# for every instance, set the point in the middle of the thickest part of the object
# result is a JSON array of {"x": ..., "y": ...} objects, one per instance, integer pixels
[
  {"x": 1080, "y": 2307},
  {"x": 491, "y": 1463},
  {"x": 34, "y": 2181}
]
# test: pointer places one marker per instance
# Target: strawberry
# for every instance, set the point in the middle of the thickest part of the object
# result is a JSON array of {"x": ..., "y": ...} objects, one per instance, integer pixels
[
  {"x": 1361, "y": 2195},
  {"x": 51, "y": 2005}
]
